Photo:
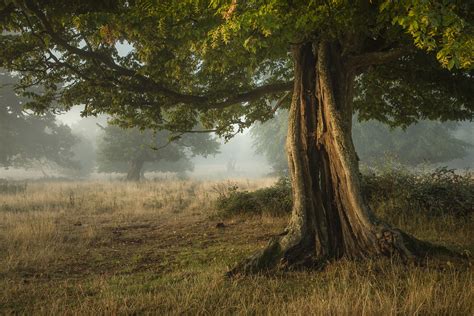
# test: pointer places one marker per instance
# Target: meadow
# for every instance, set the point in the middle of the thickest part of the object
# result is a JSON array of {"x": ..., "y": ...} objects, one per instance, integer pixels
[{"x": 162, "y": 247}]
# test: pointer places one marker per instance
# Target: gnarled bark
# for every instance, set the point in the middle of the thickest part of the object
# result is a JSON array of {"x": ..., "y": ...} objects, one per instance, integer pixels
[{"x": 330, "y": 218}]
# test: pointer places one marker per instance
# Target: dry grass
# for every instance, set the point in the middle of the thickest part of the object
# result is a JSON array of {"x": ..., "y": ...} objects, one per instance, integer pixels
[{"x": 123, "y": 248}]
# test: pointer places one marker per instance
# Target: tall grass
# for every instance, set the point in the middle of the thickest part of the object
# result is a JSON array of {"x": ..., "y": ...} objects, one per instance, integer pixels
[{"x": 153, "y": 247}]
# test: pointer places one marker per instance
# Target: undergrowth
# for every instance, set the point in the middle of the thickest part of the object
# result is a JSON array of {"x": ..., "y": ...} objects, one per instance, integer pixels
[
  {"x": 439, "y": 192},
  {"x": 113, "y": 248},
  {"x": 275, "y": 200}
]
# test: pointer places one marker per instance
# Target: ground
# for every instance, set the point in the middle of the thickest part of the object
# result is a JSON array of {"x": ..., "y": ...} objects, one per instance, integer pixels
[{"x": 155, "y": 247}]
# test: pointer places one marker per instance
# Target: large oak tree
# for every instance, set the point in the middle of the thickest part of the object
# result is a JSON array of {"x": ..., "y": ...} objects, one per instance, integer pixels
[{"x": 221, "y": 62}]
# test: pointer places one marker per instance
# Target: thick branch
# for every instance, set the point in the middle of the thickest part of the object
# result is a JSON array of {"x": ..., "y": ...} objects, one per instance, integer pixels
[
  {"x": 147, "y": 84},
  {"x": 254, "y": 94},
  {"x": 109, "y": 62},
  {"x": 359, "y": 62}
]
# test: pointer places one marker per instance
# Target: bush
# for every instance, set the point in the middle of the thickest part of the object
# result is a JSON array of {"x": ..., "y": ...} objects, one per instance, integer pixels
[
  {"x": 275, "y": 200},
  {"x": 439, "y": 192}
]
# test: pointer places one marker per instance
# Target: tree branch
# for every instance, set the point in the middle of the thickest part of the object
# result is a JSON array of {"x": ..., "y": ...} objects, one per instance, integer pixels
[
  {"x": 109, "y": 62},
  {"x": 360, "y": 62},
  {"x": 147, "y": 84},
  {"x": 200, "y": 131},
  {"x": 280, "y": 102},
  {"x": 254, "y": 94}
]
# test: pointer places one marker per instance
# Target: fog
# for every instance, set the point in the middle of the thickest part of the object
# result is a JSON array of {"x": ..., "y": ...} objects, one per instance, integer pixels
[{"x": 236, "y": 158}]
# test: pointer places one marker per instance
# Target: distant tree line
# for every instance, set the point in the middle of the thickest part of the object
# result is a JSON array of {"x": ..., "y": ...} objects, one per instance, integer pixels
[{"x": 39, "y": 141}]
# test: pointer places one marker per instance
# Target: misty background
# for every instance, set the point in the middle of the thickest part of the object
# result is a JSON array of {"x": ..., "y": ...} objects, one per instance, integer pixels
[
  {"x": 259, "y": 151},
  {"x": 236, "y": 158},
  {"x": 241, "y": 157}
]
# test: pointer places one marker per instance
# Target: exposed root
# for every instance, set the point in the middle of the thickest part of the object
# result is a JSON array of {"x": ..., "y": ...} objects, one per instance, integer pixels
[
  {"x": 277, "y": 257},
  {"x": 394, "y": 242},
  {"x": 390, "y": 242}
]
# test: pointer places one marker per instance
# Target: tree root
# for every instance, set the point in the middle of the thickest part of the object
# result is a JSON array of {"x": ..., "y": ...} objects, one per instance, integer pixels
[
  {"x": 277, "y": 257},
  {"x": 394, "y": 242},
  {"x": 302, "y": 254}
]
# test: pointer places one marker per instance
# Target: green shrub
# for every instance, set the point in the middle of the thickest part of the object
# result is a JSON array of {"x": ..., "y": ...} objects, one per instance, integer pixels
[
  {"x": 439, "y": 192},
  {"x": 275, "y": 200}
]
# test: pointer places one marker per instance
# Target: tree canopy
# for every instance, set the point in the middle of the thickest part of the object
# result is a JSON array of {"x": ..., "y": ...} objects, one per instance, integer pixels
[{"x": 221, "y": 62}]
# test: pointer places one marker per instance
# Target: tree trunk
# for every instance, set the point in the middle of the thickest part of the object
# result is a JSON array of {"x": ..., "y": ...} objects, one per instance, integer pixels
[
  {"x": 330, "y": 218},
  {"x": 135, "y": 170}
]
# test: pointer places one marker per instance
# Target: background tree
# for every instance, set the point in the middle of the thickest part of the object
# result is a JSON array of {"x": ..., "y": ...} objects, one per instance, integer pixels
[
  {"x": 221, "y": 62},
  {"x": 269, "y": 140},
  {"x": 28, "y": 140},
  {"x": 134, "y": 151},
  {"x": 426, "y": 142}
]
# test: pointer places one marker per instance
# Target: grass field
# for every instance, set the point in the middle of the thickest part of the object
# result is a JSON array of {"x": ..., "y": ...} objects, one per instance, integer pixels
[{"x": 153, "y": 247}]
